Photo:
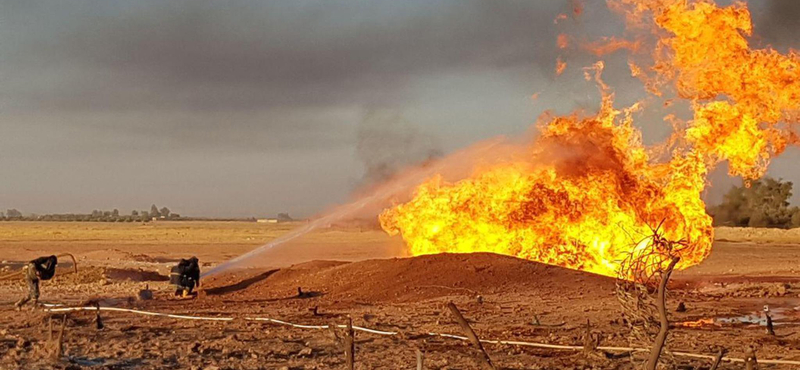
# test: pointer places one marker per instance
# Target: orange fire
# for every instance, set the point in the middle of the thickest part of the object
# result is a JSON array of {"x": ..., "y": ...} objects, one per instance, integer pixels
[
  {"x": 562, "y": 41},
  {"x": 697, "y": 323},
  {"x": 610, "y": 45},
  {"x": 561, "y": 65},
  {"x": 587, "y": 191}
]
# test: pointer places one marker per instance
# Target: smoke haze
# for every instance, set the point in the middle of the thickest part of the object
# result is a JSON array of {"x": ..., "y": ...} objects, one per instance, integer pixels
[{"x": 257, "y": 107}]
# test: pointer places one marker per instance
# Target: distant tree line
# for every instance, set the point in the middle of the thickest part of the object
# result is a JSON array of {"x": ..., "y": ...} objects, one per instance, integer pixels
[
  {"x": 759, "y": 203},
  {"x": 96, "y": 216}
]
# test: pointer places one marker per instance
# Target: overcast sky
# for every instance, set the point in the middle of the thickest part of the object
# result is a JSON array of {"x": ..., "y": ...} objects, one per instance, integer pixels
[{"x": 251, "y": 108}]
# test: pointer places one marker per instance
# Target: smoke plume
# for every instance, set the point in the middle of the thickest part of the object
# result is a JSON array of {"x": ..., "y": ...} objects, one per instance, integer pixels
[{"x": 387, "y": 143}]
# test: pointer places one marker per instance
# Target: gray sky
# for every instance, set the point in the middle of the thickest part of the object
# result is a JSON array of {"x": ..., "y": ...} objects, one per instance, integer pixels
[{"x": 257, "y": 107}]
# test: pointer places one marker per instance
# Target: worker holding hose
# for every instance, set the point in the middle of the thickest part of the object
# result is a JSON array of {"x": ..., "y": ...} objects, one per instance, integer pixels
[
  {"x": 42, "y": 268},
  {"x": 185, "y": 276}
]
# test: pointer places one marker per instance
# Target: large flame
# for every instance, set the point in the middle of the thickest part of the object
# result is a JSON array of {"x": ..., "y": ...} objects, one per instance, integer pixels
[
  {"x": 740, "y": 96},
  {"x": 587, "y": 190}
]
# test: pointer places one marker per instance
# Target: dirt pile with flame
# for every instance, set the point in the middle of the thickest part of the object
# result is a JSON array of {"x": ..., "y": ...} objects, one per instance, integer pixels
[
  {"x": 586, "y": 191},
  {"x": 410, "y": 279}
]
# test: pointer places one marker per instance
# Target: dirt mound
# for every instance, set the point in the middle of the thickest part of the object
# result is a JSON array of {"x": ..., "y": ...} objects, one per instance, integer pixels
[
  {"x": 412, "y": 279},
  {"x": 134, "y": 275}
]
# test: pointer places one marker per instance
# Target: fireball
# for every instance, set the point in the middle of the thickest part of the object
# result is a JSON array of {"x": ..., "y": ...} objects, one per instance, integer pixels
[{"x": 586, "y": 192}]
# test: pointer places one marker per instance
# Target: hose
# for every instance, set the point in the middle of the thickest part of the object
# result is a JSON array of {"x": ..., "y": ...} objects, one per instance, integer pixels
[
  {"x": 60, "y": 308},
  {"x": 74, "y": 261},
  {"x": 11, "y": 275}
]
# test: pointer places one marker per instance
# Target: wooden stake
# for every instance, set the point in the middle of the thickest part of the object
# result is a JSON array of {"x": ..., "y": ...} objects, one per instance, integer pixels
[
  {"x": 589, "y": 345},
  {"x": 350, "y": 345},
  {"x": 770, "y": 328},
  {"x": 419, "y": 360},
  {"x": 60, "y": 340},
  {"x": 718, "y": 359},
  {"x": 487, "y": 361},
  {"x": 661, "y": 338},
  {"x": 750, "y": 361},
  {"x": 337, "y": 341},
  {"x": 98, "y": 320}
]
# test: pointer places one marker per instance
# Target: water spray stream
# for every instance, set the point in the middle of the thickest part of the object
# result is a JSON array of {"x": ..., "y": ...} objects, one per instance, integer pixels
[
  {"x": 381, "y": 194},
  {"x": 311, "y": 226}
]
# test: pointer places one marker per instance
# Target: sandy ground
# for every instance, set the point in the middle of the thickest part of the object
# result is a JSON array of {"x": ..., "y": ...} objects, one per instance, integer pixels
[
  {"x": 100, "y": 243},
  {"x": 504, "y": 298}
]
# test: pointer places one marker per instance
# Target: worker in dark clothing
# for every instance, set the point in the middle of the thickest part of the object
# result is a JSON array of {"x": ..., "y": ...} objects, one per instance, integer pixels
[
  {"x": 42, "y": 268},
  {"x": 185, "y": 276}
]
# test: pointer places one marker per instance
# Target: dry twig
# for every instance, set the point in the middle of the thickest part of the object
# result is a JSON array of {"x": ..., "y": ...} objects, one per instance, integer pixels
[
  {"x": 97, "y": 319},
  {"x": 59, "y": 345},
  {"x": 589, "y": 343},
  {"x": 750, "y": 361},
  {"x": 658, "y": 345},
  {"x": 718, "y": 359},
  {"x": 770, "y": 328},
  {"x": 337, "y": 340},
  {"x": 487, "y": 361},
  {"x": 350, "y": 345},
  {"x": 640, "y": 278}
]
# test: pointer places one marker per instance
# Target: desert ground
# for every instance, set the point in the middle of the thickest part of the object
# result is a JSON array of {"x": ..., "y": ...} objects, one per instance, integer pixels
[{"x": 361, "y": 274}]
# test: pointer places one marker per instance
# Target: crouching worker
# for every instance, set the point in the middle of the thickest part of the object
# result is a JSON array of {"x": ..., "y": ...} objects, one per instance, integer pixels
[
  {"x": 185, "y": 276},
  {"x": 42, "y": 268}
]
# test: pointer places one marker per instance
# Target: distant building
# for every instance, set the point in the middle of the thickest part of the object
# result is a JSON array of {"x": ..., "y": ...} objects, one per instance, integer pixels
[{"x": 267, "y": 220}]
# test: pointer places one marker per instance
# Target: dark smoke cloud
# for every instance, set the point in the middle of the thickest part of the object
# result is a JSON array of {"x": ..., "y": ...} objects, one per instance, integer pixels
[
  {"x": 777, "y": 23},
  {"x": 207, "y": 106},
  {"x": 387, "y": 143},
  {"x": 251, "y": 107},
  {"x": 200, "y": 55}
]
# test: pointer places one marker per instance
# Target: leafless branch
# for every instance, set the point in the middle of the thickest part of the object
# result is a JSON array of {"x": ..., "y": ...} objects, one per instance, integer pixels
[
  {"x": 350, "y": 345},
  {"x": 661, "y": 338},
  {"x": 487, "y": 361},
  {"x": 718, "y": 359}
]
